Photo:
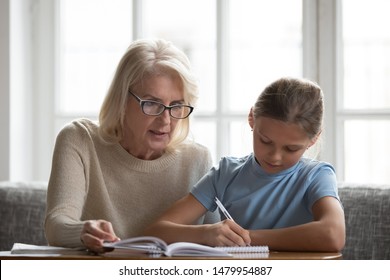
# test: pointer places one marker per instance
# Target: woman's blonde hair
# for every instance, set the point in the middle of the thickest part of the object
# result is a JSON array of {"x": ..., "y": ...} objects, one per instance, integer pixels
[{"x": 143, "y": 59}]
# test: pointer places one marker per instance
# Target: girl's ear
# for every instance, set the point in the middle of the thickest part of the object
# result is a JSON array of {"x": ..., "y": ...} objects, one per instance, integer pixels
[
  {"x": 251, "y": 119},
  {"x": 315, "y": 138}
]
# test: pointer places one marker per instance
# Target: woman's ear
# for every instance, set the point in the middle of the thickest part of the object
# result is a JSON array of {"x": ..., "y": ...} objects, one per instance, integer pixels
[{"x": 251, "y": 118}]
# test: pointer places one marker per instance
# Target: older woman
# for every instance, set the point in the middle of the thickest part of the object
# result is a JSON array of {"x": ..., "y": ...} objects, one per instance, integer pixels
[{"x": 110, "y": 179}]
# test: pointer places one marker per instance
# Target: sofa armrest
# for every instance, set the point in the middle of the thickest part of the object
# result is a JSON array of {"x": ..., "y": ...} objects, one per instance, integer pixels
[
  {"x": 22, "y": 212},
  {"x": 367, "y": 222}
]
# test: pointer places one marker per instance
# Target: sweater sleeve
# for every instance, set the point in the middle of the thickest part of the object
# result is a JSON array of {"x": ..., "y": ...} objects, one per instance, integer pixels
[{"x": 66, "y": 188}]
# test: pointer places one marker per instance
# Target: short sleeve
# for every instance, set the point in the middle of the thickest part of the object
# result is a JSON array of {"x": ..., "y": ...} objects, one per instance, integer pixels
[
  {"x": 322, "y": 183},
  {"x": 205, "y": 191}
]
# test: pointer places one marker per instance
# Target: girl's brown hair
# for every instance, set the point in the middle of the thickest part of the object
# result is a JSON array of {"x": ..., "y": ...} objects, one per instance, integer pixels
[{"x": 292, "y": 100}]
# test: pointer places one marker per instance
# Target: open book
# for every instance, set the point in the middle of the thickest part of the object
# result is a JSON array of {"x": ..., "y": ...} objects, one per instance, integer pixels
[{"x": 154, "y": 245}]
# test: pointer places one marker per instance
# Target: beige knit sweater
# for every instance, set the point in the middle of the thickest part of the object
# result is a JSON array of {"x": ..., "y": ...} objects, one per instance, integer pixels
[{"x": 91, "y": 179}]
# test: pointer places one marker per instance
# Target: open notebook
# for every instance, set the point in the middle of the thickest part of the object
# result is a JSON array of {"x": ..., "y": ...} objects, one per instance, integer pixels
[{"x": 154, "y": 245}]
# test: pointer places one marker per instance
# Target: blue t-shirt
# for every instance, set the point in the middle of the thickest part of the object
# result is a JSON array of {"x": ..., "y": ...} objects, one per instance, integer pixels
[{"x": 258, "y": 200}]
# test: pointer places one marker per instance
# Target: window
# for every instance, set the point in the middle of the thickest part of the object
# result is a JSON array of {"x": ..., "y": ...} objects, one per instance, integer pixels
[
  {"x": 89, "y": 51},
  {"x": 191, "y": 26},
  {"x": 221, "y": 38},
  {"x": 364, "y": 102},
  {"x": 236, "y": 48}
]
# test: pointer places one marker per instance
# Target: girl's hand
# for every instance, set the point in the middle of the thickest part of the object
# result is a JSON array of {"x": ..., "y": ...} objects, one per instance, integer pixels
[
  {"x": 95, "y": 232},
  {"x": 227, "y": 233}
]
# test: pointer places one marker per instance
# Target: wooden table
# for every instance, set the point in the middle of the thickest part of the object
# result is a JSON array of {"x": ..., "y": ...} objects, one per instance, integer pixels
[{"x": 273, "y": 255}]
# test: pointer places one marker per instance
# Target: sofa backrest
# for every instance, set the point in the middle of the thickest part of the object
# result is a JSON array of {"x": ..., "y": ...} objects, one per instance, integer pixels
[
  {"x": 367, "y": 214},
  {"x": 22, "y": 212}
]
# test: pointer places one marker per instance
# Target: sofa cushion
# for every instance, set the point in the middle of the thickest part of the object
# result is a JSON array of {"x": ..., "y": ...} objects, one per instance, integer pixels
[
  {"x": 367, "y": 222},
  {"x": 22, "y": 212}
]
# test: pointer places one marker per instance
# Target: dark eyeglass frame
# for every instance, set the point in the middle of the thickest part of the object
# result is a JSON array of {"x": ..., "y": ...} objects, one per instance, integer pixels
[{"x": 142, "y": 103}]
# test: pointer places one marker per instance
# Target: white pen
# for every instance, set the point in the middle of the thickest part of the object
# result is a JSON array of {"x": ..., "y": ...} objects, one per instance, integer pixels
[{"x": 223, "y": 209}]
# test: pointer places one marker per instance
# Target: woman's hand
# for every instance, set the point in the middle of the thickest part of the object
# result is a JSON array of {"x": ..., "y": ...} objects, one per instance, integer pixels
[
  {"x": 95, "y": 232},
  {"x": 227, "y": 233}
]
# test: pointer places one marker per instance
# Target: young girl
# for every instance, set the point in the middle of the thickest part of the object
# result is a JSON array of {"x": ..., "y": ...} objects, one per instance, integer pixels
[{"x": 275, "y": 196}]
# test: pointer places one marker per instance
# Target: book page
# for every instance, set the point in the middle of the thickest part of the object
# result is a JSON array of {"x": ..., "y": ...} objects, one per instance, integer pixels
[{"x": 141, "y": 244}]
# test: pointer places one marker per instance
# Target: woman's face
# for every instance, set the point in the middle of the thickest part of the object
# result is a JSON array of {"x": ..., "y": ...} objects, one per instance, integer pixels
[
  {"x": 146, "y": 137},
  {"x": 278, "y": 145}
]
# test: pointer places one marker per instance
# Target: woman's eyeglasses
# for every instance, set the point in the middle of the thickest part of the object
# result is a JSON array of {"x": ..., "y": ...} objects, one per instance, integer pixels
[{"x": 154, "y": 108}]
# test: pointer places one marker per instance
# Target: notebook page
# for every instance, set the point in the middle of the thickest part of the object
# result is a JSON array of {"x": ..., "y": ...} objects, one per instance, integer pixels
[{"x": 245, "y": 249}]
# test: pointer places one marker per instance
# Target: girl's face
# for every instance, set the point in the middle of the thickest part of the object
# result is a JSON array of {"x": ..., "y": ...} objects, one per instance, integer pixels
[
  {"x": 277, "y": 145},
  {"x": 146, "y": 137}
]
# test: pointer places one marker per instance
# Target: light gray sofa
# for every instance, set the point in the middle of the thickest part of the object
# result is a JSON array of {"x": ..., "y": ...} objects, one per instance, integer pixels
[
  {"x": 22, "y": 210},
  {"x": 367, "y": 214},
  {"x": 367, "y": 219}
]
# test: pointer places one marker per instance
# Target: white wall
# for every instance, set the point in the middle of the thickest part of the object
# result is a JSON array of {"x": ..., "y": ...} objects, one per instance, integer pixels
[
  {"x": 4, "y": 90},
  {"x": 15, "y": 85},
  {"x": 21, "y": 91},
  {"x": 26, "y": 96},
  {"x": 43, "y": 86}
]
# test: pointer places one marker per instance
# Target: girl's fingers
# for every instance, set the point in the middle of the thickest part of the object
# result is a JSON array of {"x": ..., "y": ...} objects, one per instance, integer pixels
[{"x": 233, "y": 235}]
